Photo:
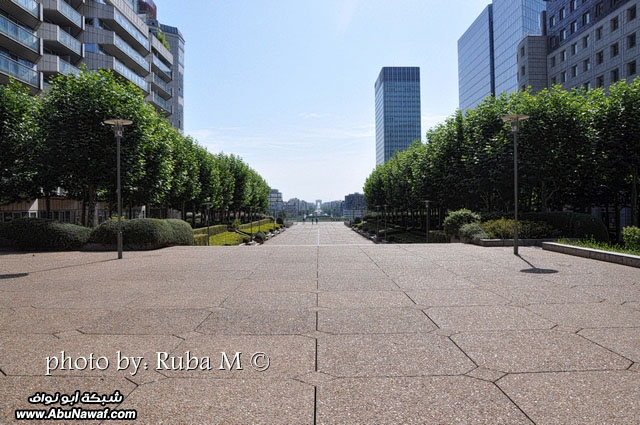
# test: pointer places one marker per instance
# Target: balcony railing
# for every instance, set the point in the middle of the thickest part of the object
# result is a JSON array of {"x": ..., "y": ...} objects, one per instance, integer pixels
[
  {"x": 70, "y": 13},
  {"x": 66, "y": 68},
  {"x": 164, "y": 68},
  {"x": 68, "y": 40},
  {"x": 19, "y": 34},
  {"x": 30, "y": 6},
  {"x": 131, "y": 29},
  {"x": 19, "y": 71},
  {"x": 161, "y": 83},
  {"x": 163, "y": 103},
  {"x": 130, "y": 75},
  {"x": 130, "y": 51}
]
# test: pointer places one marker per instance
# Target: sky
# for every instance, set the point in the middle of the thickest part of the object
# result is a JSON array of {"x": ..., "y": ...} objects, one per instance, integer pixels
[{"x": 288, "y": 85}]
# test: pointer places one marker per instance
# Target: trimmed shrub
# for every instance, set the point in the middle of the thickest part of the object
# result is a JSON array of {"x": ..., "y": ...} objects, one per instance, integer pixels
[
  {"x": 280, "y": 221},
  {"x": 456, "y": 219},
  {"x": 38, "y": 234},
  {"x": 631, "y": 237},
  {"x": 236, "y": 223},
  {"x": 260, "y": 237},
  {"x": 572, "y": 225},
  {"x": 213, "y": 230},
  {"x": 144, "y": 233},
  {"x": 473, "y": 231},
  {"x": 503, "y": 229},
  {"x": 200, "y": 240}
]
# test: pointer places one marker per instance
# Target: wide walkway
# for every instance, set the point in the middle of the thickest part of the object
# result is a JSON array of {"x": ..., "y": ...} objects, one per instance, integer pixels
[{"x": 356, "y": 333}]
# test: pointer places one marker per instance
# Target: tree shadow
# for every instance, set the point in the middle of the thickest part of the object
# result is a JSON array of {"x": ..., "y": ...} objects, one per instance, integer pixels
[
  {"x": 534, "y": 269},
  {"x": 13, "y": 275}
]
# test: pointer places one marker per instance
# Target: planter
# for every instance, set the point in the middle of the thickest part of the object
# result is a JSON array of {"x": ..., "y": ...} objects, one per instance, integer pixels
[{"x": 594, "y": 254}]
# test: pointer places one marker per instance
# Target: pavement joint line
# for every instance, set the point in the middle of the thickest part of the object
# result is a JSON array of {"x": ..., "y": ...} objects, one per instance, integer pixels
[
  {"x": 464, "y": 352},
  {"x": 315, "y": 404},
  {"x": 428, "y": 317},
  {"x": 606, "y": 348},
  {"x": 512, "y": 401}
]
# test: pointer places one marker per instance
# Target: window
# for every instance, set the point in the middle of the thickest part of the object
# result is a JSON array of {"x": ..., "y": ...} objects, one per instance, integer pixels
[
  {"x": 586, "y": 65},
  {"x": 615, "y": 50},
  {"x": 562, "y": 13},
  {"x": 631, "y": 41},
  {"x": 553, "y": 81},
  {"x": 615, "y": 24},
  {"x": 586, "y": 19},
  {"x": 631, "y": 68},
  {"x": 563, "y": 56},
  {"x": 552, "y": 21},
  {"x": 553, "y": 61},
  {"x": 599, "y": 9},
  {"x": 563, "y": 77},
  {"x": 615, "y": 75},
  {"x": 574, "y": 71},
  {"x": 563, "y": 35},
  {"x": 599, "y": 33},
  {"x": 574, "y": 5},
  {"x": 631, "y": 13},
  {"x": 586, "y": 41},
  {"x": 600, "y": 57},
  {"x": 587, "y": 85},
  {"x": 523, "y": 70},
  {"x": 600, "y": 81},
  {"x": 574, "y": 27},
  {"x": 574, "y": 48},
  {"x": 522, "y": 51}
]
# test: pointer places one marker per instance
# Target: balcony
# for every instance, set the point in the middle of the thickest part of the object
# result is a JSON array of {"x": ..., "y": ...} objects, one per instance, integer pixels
[
  {"x": 163, "y": 70},
  {"x": 16, "y": 38},
  {"x": 127, "y": 73},
  {"x": 53, "y": 65},
  {"x": 12, "y": 69},
  {"x": 61, "y": 13},
  {"x": 134, "y": 35},
  {"x": 161, "y": 104},
  {"x": 163, "y": 88},
  {"x": 59, "y": 41},
  {"x": 124, "y": 52},
  {"x": 26, "y": 11}
]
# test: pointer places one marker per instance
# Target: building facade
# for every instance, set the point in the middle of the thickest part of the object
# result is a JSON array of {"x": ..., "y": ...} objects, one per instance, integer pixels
[
  {"x": 44, "y": 38},
  {"x": 354, "y": 206},
  {"x": 487, "y": 63},
  {"x": 587, "y": 44},
  {"x": 397, "y": 94}
]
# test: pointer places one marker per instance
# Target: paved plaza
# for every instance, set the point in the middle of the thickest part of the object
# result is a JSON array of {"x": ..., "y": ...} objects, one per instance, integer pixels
[{"x": 355, "y": 333}]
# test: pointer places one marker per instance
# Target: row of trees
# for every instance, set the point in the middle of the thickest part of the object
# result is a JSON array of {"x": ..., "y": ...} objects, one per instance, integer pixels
[
  {"x": 579, "y": 149},
  {"x": 59, "y": 140}
]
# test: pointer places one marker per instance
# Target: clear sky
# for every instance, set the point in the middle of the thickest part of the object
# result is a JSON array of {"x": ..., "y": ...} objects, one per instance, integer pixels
[{"x": 288, "y": 84}]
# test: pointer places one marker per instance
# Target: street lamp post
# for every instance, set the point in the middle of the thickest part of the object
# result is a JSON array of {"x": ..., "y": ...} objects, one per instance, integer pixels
[
  {"x": 426, "y": 204},
  {"x": 515, "y": 120},
  {"x": 208, "y": 206},
  {"x": 118, "y": 129},
  {"x": 385, "y": 222}
]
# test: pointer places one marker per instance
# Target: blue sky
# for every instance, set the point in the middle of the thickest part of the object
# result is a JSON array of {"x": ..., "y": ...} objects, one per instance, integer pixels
[{"x": 288, "y": 84}]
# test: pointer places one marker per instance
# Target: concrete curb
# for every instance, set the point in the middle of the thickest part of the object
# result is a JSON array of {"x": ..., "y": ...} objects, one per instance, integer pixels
[
  {"x": 594, "y": 254},
  {"x": 509, "y": 242}
]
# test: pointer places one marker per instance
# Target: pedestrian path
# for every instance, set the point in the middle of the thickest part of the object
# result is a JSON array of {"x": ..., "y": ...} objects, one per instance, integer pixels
[{"x": 321, "y": 234}]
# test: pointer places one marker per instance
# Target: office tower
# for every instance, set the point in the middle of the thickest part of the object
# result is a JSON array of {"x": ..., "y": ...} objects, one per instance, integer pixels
[
  {"x": 354, "y": 206},
  {"x": 476, "y": 78},
  {"x": 587, "y": 44},
  {"x": 496, "y": 32},
  {"x": 176, "y": 42},
  {"x": 20, "y": 46},
  {"x": 397, "y": 93}
]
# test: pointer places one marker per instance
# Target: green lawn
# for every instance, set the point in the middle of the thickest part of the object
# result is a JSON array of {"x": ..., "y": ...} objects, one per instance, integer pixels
[
  {"x": 226, "y": 239},
  {"x": 603, "y": 246}
]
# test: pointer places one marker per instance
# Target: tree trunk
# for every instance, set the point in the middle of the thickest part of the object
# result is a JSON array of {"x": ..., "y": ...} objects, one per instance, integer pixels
[
  {"x": 83, "y": 219},
  {"x": 634, "y": 198},
  {"x": 91, "y": 205},
  {"x": 47, "y": 203}
]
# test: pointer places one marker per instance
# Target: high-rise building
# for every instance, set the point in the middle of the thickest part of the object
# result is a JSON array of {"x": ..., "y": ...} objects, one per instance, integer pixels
[
  {"x": 176, "y": 42},
  {"x": 586, "y": 44},
  {"x": 487, "y": 51},
  {"x": 397, "y": 110},
  {"x": 354, "y": 205},
  {"x": 42, "y": 39}
]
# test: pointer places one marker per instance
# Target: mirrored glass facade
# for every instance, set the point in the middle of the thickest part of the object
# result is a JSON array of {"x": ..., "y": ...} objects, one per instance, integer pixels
[
  {"x": 475, "y": 61},
  {"x": 397, "y": 110},
  {"x": 512, "y": 20}
]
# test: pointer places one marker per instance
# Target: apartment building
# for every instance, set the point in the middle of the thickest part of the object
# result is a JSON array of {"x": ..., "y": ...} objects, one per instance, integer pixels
[
  {"x": 586, "y": 44},
  {"x": 43, "y": 38}
]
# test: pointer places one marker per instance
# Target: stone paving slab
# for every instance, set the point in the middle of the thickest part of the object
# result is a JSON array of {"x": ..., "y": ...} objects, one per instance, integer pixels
[
  {"x": 580, "y": 398},
  {"x": 355, "y": 332}
]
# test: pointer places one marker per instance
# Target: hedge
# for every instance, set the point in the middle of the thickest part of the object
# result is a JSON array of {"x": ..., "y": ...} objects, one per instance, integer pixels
[
  {"x": 38, "y": 234},
  {"x": 456, "y": 219},
  {"x": 213, "y": 230},
  {"x": 572, "y": 225},
  {"x": 472, "y": 231},
  {"x": 144, "y": 233},
  {"x": 631, "y": 237},
  {"x": 503, "y": 229}
]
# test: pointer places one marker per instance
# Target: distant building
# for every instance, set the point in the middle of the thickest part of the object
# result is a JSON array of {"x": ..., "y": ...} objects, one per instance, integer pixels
[
  {"x": 333, "y": 208},
  {"x": 487, "y": 62},
  {"x": 275, "y": 202},
  {"x": 354, "y": 206},
  {"x": 397, "y": 111}
]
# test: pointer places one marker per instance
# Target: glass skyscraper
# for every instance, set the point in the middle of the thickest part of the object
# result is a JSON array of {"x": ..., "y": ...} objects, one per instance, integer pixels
[
  {"x": 492, "y": 40},
  {"x": 397, "y": 110}
]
